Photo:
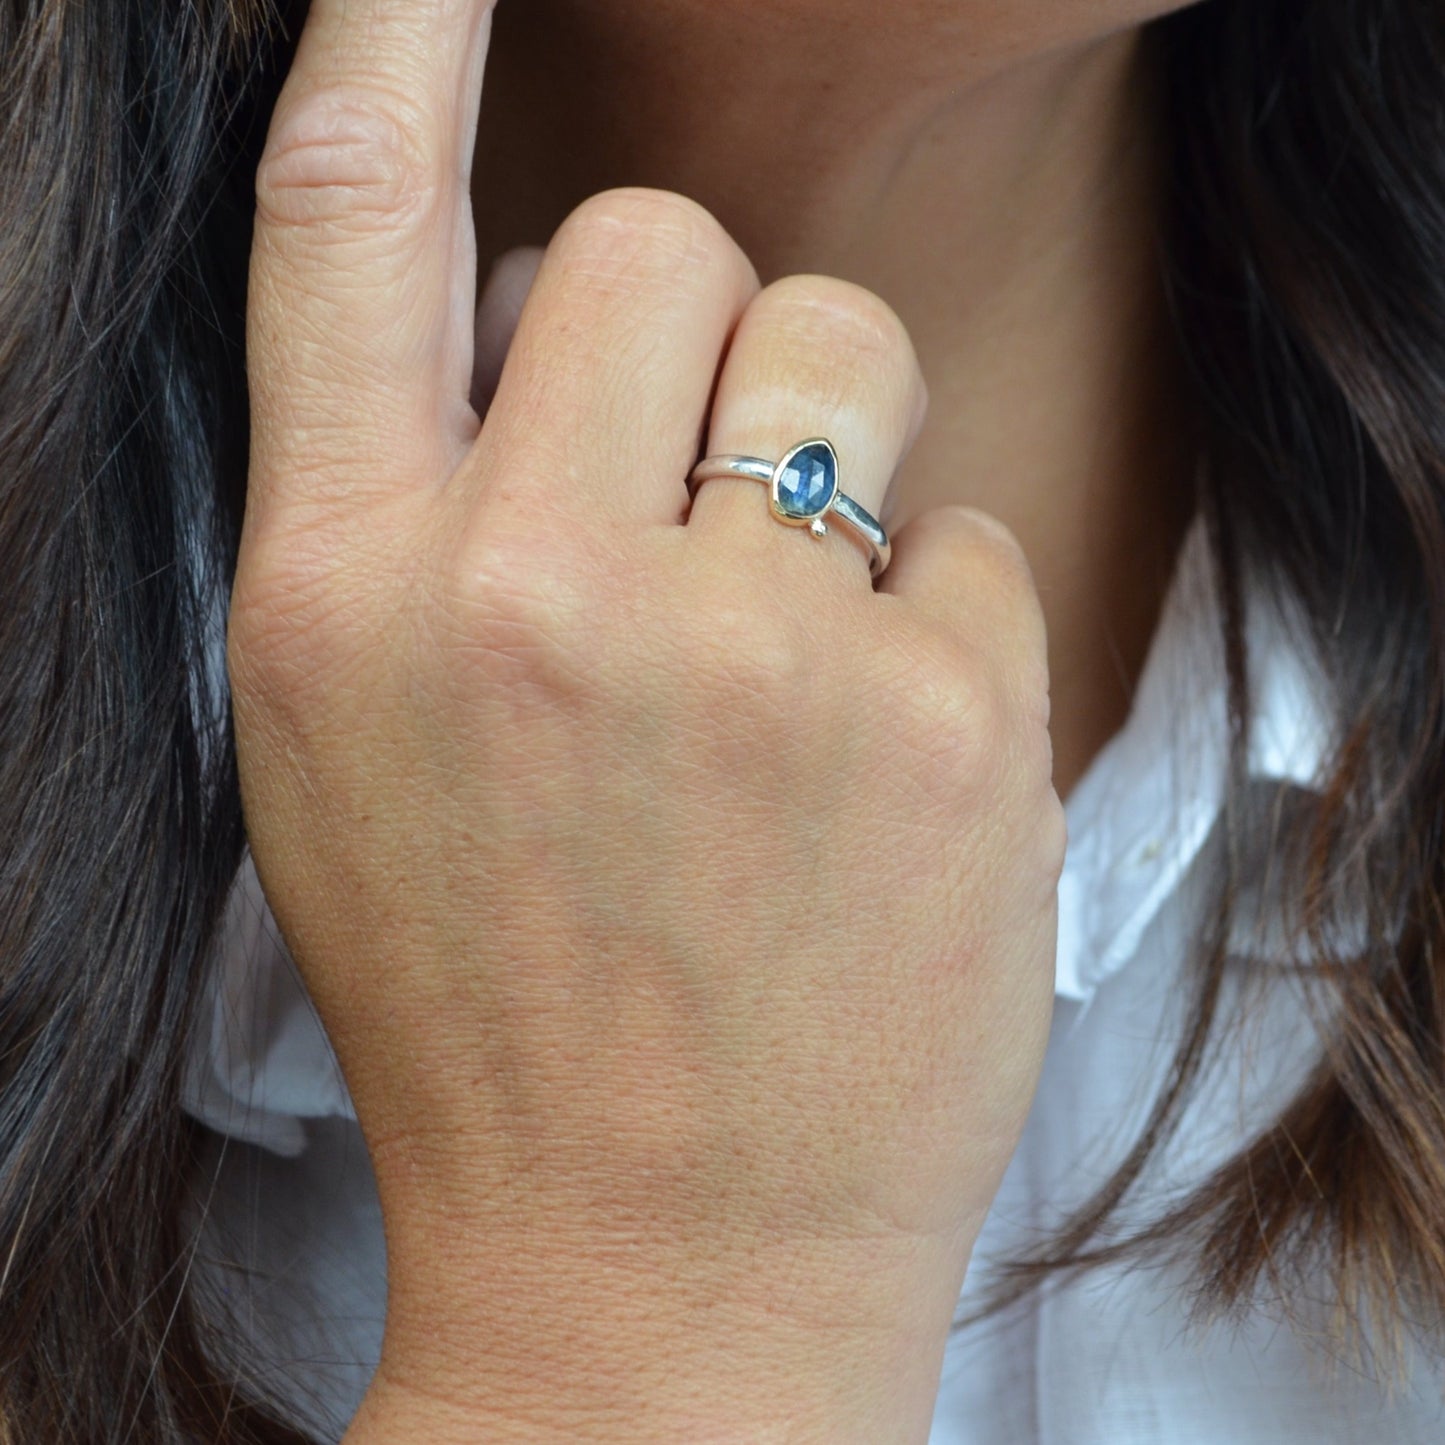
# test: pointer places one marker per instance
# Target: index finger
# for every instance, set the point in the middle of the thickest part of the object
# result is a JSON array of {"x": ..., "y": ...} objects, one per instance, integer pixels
[{"x": 363, "y": 271}]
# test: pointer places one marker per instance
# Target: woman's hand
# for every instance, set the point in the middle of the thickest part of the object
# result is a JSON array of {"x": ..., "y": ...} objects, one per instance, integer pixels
[{"x": 681, "y": 907}]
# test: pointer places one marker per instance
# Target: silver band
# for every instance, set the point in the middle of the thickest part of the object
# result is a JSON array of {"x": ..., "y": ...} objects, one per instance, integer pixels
[{"x": 813, "y": 460}]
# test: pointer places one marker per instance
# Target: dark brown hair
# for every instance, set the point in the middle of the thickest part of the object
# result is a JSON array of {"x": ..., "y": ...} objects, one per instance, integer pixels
[
  {"x": 1304, "y": 255},
  {"x": 1304, "y": 243},
  {"x": 123, "y": 223}
]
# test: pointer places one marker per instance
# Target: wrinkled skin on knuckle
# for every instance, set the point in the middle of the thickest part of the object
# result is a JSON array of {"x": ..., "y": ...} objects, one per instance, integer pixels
[
  {"x": 513, "y": 613},
  {"x": 970, "y": 770},
  {"x": 348, "y": 163},
  {"x": 1034, "y": 829},
  {"x": 951, "y": 726},
  {"x": 753, "y": 678},
  {"x": 995, "y": 540},
  {"x": 755, "y": 727},
  {"x": 763, "y": 675},
  {"x": 841, "y": 309},
  {"x": 635, "y": 229},
  {"x": 306, "y": 619},
  {"x": 844, "y": 341},
  {"x": 1002, "y": 566},
  {"x": 1000, "y": 573}
]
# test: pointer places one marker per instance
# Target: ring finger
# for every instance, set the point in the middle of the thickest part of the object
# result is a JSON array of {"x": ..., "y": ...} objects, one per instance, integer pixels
[{"x": 812, "y": 357}]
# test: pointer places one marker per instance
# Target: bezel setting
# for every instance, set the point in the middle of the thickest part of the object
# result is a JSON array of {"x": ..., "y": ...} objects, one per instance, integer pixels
[{"x": 812, "y": 519}]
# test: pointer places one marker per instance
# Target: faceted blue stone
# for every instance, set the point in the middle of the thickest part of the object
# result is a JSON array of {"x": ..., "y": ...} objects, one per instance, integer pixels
[{"x": 808, "y": 481}]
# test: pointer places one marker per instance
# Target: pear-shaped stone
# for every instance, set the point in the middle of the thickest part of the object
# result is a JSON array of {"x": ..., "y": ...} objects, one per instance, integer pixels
[{"x": 807, "y": 480}]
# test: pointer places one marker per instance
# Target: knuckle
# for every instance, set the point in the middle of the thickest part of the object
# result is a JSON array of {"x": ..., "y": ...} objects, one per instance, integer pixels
[
  {"x": 514, "y": 614},
  {"x": 987, "y": 532},
  {"x": 840, "y": 314},
  {"x": 1000, "y": 572},
  {"x": 299, "y": 619},
  {"x": 952, "y": 720},
  {"x": 999, "y": 553},
  {"x": 758, "y": 666},
  {"x": 750, "y": 670},
  {"x": 348, "y": 159},
  {"x": 629, "y": 229}
]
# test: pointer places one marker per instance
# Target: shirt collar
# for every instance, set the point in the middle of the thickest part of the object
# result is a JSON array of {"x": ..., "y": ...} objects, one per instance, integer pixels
[
  {"x": 260, "y": 1061},
  {"x": 1139, "y": 818}
]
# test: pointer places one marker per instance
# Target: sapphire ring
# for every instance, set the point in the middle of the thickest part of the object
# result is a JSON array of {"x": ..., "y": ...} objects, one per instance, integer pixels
[{"x": 803, "y": 491}]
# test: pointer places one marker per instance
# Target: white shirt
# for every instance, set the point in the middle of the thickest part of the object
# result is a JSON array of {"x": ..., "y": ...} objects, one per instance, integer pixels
[{"x": 1105, "y": 1360}]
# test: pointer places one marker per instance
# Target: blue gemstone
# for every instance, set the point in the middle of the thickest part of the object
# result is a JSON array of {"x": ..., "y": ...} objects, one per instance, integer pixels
[{"x": 808, "y": 481}]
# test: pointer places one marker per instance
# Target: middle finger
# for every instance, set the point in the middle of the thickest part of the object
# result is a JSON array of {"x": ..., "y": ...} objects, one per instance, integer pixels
[{"x": 604, "y": 391}]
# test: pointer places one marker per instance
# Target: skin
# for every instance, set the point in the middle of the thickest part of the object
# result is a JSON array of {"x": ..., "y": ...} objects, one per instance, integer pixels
[
  {"x": 1019, "y": 142},
  {"x": 680, "y": 904}
]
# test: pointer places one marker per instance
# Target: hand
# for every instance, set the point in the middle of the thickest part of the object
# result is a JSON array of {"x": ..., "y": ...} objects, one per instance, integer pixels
[{"x": 680, "y": 906}]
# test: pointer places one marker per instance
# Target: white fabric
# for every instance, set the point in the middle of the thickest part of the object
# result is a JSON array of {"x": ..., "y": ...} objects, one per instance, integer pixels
[{"x": 1107, "y": 1360}]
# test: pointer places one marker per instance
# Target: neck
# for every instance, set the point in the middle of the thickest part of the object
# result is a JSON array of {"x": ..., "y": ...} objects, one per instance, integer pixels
[{"x": 1003, "y": 205}]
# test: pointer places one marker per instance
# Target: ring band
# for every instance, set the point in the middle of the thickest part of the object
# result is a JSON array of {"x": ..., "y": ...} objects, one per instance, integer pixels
[{"x": 803, "y": 490}]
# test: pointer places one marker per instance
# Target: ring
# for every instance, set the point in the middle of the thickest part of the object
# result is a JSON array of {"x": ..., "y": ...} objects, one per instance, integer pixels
[{"x": 803, "y": 490}]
